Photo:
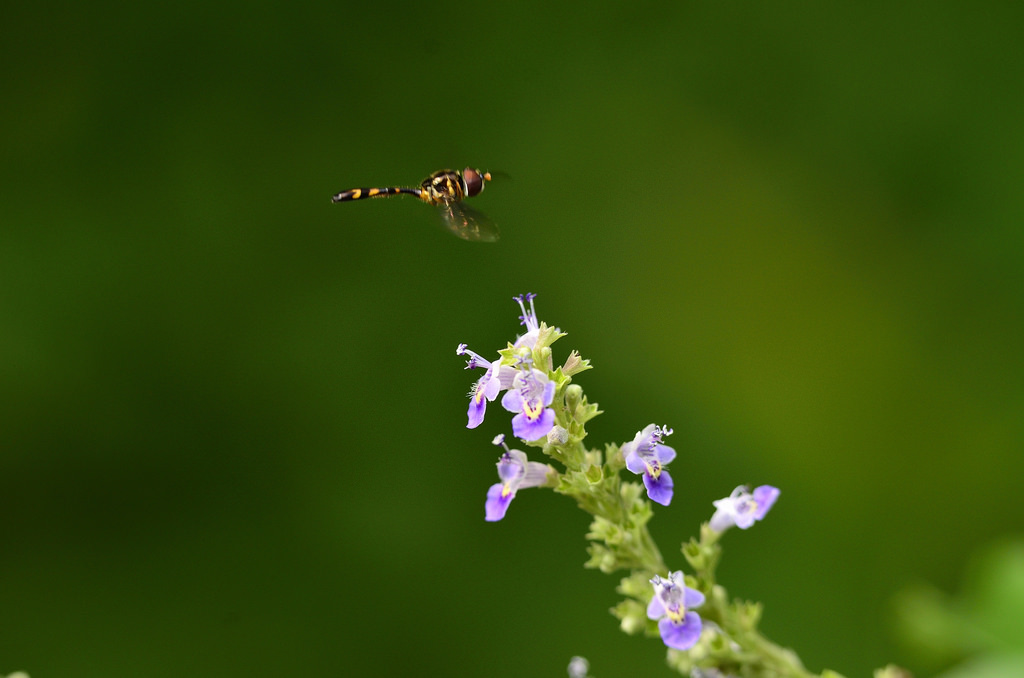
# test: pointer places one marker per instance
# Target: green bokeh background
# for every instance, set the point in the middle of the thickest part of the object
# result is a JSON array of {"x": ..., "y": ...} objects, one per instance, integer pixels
[{"x": 232, "y": 419}]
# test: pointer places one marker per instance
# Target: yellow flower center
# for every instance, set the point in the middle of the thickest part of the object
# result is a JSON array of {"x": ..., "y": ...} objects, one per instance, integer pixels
[
  {"x": 653, "y": 468},
  {"x": 533, "y": 411}
]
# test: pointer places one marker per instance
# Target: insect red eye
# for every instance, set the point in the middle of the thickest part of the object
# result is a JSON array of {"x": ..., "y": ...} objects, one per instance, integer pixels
[{"x": 474, "y": 181}]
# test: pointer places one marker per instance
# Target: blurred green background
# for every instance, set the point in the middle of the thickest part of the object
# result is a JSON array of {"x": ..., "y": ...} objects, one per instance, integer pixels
[{"x": 232, "y": 419}]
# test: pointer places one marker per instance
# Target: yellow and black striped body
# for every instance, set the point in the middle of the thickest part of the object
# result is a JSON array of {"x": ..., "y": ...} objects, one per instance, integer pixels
[
  {"x": 443, "y": 188},
  {"x": 363, "y": 193}
]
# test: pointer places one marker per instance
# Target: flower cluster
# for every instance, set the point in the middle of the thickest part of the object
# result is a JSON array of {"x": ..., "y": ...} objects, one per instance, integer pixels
[
  {"x": 523, "y": 372},
  {"x": 530, "y": 391},
  {"x": 549, "y": 412}
]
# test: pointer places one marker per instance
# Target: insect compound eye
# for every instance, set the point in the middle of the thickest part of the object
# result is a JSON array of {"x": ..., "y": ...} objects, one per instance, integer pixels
[{"x": 474, "y": 181}]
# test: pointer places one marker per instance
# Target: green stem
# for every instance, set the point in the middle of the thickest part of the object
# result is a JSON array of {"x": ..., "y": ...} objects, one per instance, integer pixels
[
  {"x": 738, "y": 620},
  {"x": 655, "y": 562},
  {"x": 784, "y": 661}
]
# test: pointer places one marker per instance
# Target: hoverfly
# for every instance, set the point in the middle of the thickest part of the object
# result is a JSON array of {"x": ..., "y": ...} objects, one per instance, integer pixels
[{"x": 446, "y": 190}]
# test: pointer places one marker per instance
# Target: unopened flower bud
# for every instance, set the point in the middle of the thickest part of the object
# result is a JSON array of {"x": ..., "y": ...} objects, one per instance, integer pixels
[
  {"x": 558, "y": 436},
  {"x": 573, "y": 397},
  {"x": 633, "y": 624}
]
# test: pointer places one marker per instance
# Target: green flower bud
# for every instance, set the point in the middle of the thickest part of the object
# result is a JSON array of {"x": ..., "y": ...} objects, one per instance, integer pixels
[{"x": 573, "y": 397}]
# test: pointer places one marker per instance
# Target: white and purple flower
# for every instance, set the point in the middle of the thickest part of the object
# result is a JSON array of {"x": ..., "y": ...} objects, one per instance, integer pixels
[
  {"x": 496, "y": 379},
  {"x": 679, "y": 625},
  {"x": 516, "y": 473},
  {"x": 645, "y": 454},
  {"x": 743, "y": 508},
  {"x": 529, "y": 397}
]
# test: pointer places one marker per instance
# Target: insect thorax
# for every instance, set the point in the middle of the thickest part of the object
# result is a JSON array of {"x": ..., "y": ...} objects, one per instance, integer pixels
[{"x": 443, "y": 188}]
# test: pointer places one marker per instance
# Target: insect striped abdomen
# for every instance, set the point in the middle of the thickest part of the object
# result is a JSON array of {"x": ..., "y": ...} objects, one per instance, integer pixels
[{"x": 363, "y": 193}]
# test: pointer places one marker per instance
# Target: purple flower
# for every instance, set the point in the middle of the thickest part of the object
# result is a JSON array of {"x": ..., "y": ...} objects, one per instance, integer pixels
[
  {"x": 645, "y": 454},
  {"x": 743, "y": 509},
  {"x": 679, "y": 626},
  {"x": 529, "y": 396},
  {"x": 529, "y": 319},
  {"x": 496, "y": 379},
  {"x": 515, "y": 473}
]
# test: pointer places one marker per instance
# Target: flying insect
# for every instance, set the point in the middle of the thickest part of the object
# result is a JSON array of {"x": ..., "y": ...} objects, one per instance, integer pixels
[{"x": 445, "y": 190}]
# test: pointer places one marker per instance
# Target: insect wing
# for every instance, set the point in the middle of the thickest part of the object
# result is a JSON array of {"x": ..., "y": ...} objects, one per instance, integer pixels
[{"x": 467, "y": 223}]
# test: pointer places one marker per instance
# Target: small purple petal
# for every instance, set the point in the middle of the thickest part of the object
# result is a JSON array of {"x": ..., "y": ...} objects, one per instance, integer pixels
[
  {"x": 511, "y": 467},
  {"x": 523, "y": 427},
  {"x": 634, "y": 463},
  {"x": 692, "y": 598},
  {"x": 477, "y": 408},
  {"x": 496, "y": 504},
  {"x": 488, "y": 387},
  {"x": 765, "y": 496},
  {"x": 681, "y": 636},
  {"x": 549, "y": 393},
  {"x": 512, "y": 401},
  {"x": 664, "y": 453},
  {"x": 655, "y": 610},
  {"x": 659, "y": 489}
]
